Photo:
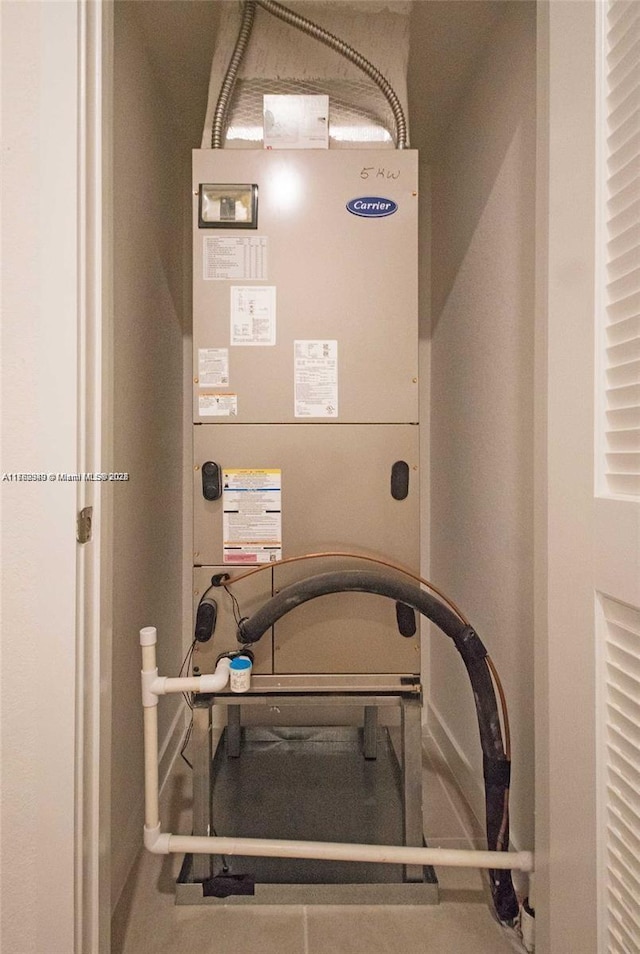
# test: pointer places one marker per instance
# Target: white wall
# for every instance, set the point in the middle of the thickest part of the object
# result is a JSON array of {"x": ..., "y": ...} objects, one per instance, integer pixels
[
  {"x": 39, "y": 422},
  {"x": 481, "y": 533},
  {"x": 151, "y": 189}
]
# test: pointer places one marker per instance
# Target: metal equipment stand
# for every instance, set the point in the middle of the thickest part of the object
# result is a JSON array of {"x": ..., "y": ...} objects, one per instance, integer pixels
[{"x": 360, "y": 788}]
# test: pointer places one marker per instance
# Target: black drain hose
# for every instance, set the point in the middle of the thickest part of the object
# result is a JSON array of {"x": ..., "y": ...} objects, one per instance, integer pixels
[{"x": 496, "y": 765}]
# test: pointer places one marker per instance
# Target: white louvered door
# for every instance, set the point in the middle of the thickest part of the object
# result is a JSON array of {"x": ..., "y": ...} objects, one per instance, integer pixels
[{"x": 617, "y": 506}]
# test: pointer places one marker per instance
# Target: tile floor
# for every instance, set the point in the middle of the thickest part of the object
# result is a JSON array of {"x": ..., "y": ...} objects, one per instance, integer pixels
[{"x": 147, "y": 920}]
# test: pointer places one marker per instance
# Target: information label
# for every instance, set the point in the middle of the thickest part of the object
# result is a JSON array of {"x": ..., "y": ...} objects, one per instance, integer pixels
[
  {"x": 213, "y": 367},
  {"x": 218, "y": 405},
  {"x": 253, "y": 315},
  {"x": 251, "y": 516},
  {"x": 235, "y": 257},
  {"x": 316, "y": 378}
]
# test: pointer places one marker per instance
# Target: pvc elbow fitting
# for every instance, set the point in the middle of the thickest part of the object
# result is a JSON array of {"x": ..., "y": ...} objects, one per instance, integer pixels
[{"x": 216, "y": 681}]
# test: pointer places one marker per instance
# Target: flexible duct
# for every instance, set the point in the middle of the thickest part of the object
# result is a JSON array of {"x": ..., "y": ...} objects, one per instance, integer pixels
[
  {"x": 323, "y": 36},
  {"x": 496, "y": 765}
]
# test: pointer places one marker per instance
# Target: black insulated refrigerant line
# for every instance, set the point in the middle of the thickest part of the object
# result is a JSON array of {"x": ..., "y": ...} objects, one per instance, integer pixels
[{"x": 496, "y": 764}]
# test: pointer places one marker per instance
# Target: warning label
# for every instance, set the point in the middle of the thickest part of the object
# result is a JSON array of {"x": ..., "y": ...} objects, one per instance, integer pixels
[
  {"x": 252, "y": 515},
  {"x": 218, "y": 405}
]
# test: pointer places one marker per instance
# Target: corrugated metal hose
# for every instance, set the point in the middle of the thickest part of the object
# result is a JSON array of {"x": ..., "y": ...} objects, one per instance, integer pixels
[{"x": 318, "y": 33}]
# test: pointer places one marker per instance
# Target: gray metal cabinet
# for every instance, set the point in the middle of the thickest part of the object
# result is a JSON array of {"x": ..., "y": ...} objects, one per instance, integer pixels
[{"x": 305, "y": 376}]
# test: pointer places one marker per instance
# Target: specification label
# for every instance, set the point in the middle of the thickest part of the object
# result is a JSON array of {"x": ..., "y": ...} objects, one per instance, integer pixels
[
  {"x": 253, "y": 315},
  {"x": 316, "y": 378},
  {"x": 235, "y": 258},
  {"x": 213, "y": 367}
]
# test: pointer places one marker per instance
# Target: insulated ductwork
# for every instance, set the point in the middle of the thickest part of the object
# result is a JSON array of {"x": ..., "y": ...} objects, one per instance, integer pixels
[
  {"x": 496, "y": 764},
  {"x": 355, "y": 53}
]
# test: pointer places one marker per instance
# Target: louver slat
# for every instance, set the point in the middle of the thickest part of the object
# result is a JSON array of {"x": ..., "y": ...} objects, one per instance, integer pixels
[
  {"x": 620, "y": 16},
  {"x": 622, "y": 200},
  {"x": 623, "y": 132},
  {"x": 627, "y": 329},
  {"x": 621, "y": 758},
  {"x": 627, "y": 285},
  {"x": 621, "y": 306},
  {"x": 621, "y": 262},
  {"x": 623, "y": 65}
]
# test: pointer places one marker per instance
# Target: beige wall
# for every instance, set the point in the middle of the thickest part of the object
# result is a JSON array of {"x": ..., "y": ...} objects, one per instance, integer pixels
[
  {"x": 481, "y": 525},
  {"x": 151, "y": 188}
]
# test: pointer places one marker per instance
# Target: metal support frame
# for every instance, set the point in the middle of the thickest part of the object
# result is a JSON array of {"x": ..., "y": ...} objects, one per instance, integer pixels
[
  {"x": 202, "y": 756},
  {"x": 233, "y": 733},
  {"x": 370, "y": 732},
  {"x": 411, "y": 734},
  {"x": 394, "y": 694}
]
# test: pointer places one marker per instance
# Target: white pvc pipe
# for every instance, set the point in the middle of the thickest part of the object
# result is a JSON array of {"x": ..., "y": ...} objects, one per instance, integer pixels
[
  {"x": 148, "y": 639},
  {"x": 165, "y": 843},
  {"x": 339, "y": 851},
  {"x": 209, "y": 682},
  {"x": 151, "y": 794}
]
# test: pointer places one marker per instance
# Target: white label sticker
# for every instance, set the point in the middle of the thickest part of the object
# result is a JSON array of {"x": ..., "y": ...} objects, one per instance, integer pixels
[
  {"x": 316, "y": 378},
  {"x": 253, "y": 314},
  {"x": 213, "y": 367},
  {"x": 218, "y": 405},
  {"x": 296, "y": 121},
  {"x": 252, "y": 516},
  {"x": 235, "y": 257}
]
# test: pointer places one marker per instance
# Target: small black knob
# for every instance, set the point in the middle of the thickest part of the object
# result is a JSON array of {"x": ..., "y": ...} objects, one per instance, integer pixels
[
  {"x": 206, "y": 620},
  {"x": 400, "y": 480},
  {"x": 406, "y": 618},
  {"x": 211, "y": 481}
]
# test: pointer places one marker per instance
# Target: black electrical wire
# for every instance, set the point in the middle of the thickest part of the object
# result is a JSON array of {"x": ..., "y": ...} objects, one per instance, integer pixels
[
  {"x": 237, "y": 615},
  {"x": 185, "y": 743},
  {"x": 184, "y": 670}
]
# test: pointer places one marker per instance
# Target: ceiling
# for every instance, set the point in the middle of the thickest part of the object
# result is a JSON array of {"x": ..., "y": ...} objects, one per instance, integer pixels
[{"x": 447, "y": 38}]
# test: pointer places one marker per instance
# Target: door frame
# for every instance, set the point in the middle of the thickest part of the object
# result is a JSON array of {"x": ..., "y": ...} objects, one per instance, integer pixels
[
  {"x": 565, "y": 839},
  {"x": 95, "y": 455},
  {"x": 564, "y": 641}
]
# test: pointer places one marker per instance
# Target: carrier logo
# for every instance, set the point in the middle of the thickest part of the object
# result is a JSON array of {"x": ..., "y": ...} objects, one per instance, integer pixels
[{"x": 372, "y": 207}]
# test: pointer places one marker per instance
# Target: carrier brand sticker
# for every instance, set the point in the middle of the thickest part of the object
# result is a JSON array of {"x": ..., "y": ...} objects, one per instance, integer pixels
[
  {"x": 251, "y": 515},
  {"x": 372, "y": 206}
]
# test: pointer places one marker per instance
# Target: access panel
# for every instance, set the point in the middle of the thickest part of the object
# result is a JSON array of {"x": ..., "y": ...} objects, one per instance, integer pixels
[
  {"x": 250, "y": 595},
  {"x": 305, "y": 286},
  {"x": 342, "y": 632},
  {"x": 291, "y": 489}
]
